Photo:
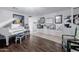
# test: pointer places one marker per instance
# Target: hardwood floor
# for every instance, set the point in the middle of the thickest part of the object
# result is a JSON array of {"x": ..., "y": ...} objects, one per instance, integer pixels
[{"x": 33, "y": 44}]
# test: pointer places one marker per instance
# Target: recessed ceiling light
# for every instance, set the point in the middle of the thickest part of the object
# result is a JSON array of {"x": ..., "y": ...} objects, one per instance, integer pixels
[{"x": 30, "y": 16}]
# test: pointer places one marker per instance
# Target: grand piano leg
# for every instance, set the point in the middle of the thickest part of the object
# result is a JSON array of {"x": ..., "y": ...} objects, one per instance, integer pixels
[{"x": 7, "y": 40}]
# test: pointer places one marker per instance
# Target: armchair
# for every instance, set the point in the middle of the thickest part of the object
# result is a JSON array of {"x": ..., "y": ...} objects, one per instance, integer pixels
[{"x": 65, "y": 38}]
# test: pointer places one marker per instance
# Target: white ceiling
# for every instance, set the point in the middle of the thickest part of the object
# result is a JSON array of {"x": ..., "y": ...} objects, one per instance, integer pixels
[{"x": 37, "y": 11}]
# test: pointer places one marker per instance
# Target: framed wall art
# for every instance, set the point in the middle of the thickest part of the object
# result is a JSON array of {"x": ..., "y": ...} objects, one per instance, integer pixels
[
  {"x": 41, "y": 20},
  {"x": 19, "y": 19},
  {"x": 67, "y": 22},
  {"x": 58, "y": 19},
  {"x": 76, "y": 19}
]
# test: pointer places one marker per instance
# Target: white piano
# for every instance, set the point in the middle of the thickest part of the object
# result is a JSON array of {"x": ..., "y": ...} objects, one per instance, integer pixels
[{"x": 8, "y": 32}]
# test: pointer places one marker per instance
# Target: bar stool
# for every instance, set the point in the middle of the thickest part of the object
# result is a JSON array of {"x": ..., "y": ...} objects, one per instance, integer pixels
[{"x": 19, "y": 37}]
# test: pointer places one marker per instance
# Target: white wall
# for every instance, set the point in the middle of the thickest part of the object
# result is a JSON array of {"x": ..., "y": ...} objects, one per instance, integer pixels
[
  {"x": 64, "y": 13},
  {"x": 63, "y": 29},
  {"x": 32, "y": 25},
  {"x": 6, "y": 15}
]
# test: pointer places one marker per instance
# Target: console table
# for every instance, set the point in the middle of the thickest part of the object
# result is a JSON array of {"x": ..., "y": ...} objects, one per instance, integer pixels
[{"x": 75, "y": 45}]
